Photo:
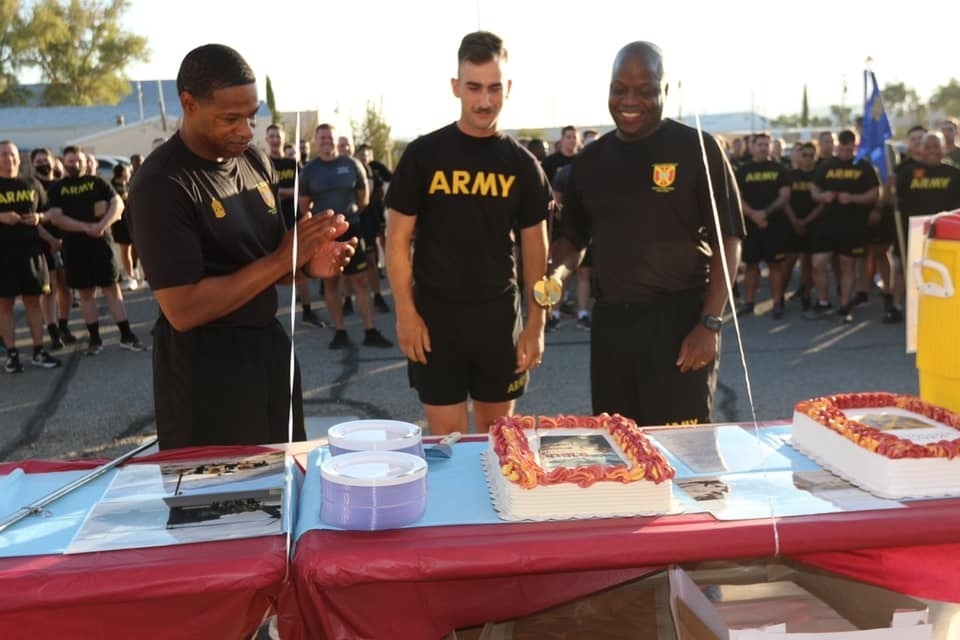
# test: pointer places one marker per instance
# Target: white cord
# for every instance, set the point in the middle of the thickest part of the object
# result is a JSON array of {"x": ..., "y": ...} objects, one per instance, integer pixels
[
  {"x": 736, "y": 326},
  {"x": 293, "y": 285}
]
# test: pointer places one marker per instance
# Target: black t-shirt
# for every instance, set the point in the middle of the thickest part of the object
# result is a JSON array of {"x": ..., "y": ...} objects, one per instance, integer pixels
[
  {"x": 846, "y": 177},
  {"x": 469, "y": 194},
  {"x": 760, "y": 182},
  {"x": 19, "y": 196},
  {"x": 77, "y": 197},
  {"x": 646, "y": 207},
  {"x": 286, "y": 169},
  {"x": 553, "y": 162},
  {"x": 195, "y": 218},
  {"x": 801, "y": 198},
  {"x": 925, "y": 190}
]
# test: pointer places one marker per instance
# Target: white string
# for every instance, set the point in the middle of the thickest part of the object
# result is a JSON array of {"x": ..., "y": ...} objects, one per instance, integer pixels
[
  {"x": 288, "y": 458},
  {"x": 736, "y": 326},
  {"x": 293, "y": 285}
]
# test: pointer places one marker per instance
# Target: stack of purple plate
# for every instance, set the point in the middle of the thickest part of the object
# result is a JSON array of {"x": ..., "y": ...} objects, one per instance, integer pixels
[
  {"x": 373, "y": 490},
  {"x": 375, "y": 435}
]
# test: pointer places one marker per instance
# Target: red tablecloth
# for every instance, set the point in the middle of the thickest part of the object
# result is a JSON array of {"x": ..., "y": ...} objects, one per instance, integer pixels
[
  {"x": 431, "y": 580},
  {"x": 210, "y": 590}
]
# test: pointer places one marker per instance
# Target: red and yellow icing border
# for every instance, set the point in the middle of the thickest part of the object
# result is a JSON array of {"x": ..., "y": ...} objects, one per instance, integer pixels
[
  {"x": 519, "y": 465},
  {"x": 828, "y": 411}
]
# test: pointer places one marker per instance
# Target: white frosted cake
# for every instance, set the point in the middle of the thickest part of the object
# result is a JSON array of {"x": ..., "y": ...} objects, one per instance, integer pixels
[
  {"x": 575, "y": 467},
  {"x": 891, "y": 445}
]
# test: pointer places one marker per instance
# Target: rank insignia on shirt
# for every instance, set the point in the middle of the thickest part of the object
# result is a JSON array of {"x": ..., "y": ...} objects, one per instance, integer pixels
[
  {"x": 218, "y": 210},
  {"x": 664, "y": 175},
  {"x": 267, "y": 194}
]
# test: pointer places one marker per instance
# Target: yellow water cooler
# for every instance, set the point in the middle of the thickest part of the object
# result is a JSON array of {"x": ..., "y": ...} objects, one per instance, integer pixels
[{"x": 938, "y": 316}]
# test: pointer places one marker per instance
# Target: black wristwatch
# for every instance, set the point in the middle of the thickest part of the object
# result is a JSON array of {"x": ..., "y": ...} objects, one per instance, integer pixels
[{"x": 714, "y": 323}]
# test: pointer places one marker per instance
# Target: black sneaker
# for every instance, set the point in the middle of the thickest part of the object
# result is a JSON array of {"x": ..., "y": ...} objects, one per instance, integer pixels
[
  {"x": 805, "y": 304},
  {"x": 93, "y": 349},
  {"x": 380, "y": 304},
  {"x": 552, "y": 323},
  {"x": 777, "y": 311},
  {"x": 340, "y": 340},
  {"x": 846, "y": 317},
  {"x": 583, "y": 323},
  {"x": 374, "y": 338},
  {"x": 56, "y": 343},
  {"x": 12, "y": 365},
  {"x": 310, "y": 316},
  {"x": 347, "y": 306},
  {"x": 66, "y": 336},
  {"x": 818, "y": 310},
  {"x": 132, "y": 343},
  {"x": 746, "y": 309},
  {"x": 859, "y": 298},
  {"x": 893, "y": 316},
  {"x": 44, "y": 361}
]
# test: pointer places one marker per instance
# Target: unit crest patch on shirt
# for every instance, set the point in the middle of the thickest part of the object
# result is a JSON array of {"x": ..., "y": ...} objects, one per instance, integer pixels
[{"x": 664, "y": 175}]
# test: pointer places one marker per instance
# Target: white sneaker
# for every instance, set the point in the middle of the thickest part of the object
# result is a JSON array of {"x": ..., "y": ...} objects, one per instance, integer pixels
[{"x": 129, "y": 284}]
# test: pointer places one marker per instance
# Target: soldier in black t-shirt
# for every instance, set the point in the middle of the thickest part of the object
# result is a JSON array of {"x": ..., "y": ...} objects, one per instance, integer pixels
[
  {"x": 56, "y": 304},
  {"x": 641, "y": 195},
  {"x": 373, "y": 220},
  {"x": 23, "y": 268},
  {"x": 802, "y": 213},
  {"x": 923, "y": 187},
  {"x": 84, "y": 207},
  {"x": 213, "y": 245},
  {"x": 764, "y": 190},
  {"x": 458, "y": 195},
  {"x": 286, "y": 169},
  {"x": 848, "y": 190}
]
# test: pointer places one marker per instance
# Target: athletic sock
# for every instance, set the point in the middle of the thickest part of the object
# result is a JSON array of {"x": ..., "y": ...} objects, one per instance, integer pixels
[
  {"x": 63, "y": 324},
  {"x": 124, "y": 326},
  {"x": 54, "y": 331},
  {"x": 94, "y": 330}
]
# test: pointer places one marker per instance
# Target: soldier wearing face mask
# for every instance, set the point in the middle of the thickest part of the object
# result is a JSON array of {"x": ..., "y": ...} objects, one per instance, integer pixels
[{"x": 56, "y": 303}]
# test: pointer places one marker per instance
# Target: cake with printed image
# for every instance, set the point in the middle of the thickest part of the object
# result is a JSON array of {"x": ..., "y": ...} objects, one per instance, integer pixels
[
  {"x": 575, "y": 467},
  {"x": 894, "y": 446}
]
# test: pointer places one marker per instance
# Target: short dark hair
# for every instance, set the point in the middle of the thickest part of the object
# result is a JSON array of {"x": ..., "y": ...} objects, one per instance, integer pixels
[
  {"x": 37, "y": 151},
  {"x": 211, "y": 67},
  {"x": 73, "y": 148},
  {"x": 567, "y": 128},
  {"x": 323, "y": 125},
  {"x": 846, "y": 137},
  {"x": 480, "y": 47},
  {"x": 275, "y": 125},
  {"x": 916, "y": 127}
]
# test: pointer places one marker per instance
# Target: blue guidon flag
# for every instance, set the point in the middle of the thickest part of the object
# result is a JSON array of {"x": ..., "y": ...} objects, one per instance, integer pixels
[{"x": 876, "y": 129}]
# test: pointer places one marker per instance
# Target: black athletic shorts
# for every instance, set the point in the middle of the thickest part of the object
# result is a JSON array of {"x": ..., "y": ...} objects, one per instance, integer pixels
[
  {"x": 91, "y": 263},
  {"x": 802, "y": 244},
  {"x": 224, "y": 386},
  {"x": 373, "y": 221},
  {"x": 633, "y": 354},
  {"x": 120, "y": 230},
  {"x": 766, "y": 245},
  {"x": 845, "y": 234},
  {"x": 358, "y": 263},
  {"x": 473, "y": 350},
  {"x": 23, "y": 275},
  {"x": 885, "y": 231}
]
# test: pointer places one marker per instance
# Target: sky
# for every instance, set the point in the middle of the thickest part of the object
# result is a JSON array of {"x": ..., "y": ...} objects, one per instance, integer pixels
[{"x": 399, "y": 55}]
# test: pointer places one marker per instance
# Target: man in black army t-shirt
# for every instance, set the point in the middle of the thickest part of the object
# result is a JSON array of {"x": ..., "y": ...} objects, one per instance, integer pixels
[
  {"x": 23, "y": 267},
  {"x": 85, "y": 207},
  {"x": 640, "y": 194},
  {"x": 213, "y": 245},
  {"x": 764, "y": 190},
  {"x": 848, "y": 190},
  {"x": 462, "y": 191}
]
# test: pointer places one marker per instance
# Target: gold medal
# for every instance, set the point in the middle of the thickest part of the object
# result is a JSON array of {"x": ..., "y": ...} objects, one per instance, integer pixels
[{"x": 547, "y": 292}]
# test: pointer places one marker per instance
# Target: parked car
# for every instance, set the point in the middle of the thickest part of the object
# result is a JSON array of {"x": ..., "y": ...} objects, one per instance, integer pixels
[{"x": 105, "y": 165}]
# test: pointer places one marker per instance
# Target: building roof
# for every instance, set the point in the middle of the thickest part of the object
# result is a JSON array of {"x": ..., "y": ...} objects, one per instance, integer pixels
[
  {"x": 734, "y": 122},
  {"x": 35, "y": 116}
]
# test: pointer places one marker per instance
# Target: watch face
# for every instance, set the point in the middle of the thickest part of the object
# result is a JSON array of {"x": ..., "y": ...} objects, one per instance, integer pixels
[
  {"x": 547, "y": 292},
  {"x": 712, "y": 322}
]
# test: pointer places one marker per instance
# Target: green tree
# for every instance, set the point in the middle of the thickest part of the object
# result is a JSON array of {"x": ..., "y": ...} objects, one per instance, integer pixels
[
  {"x": 272, "y": 103},
  {"x": 805, "y": 110},
  {"x": 11, "y": 54},
  {"x": 375, "y": 131},
  {"x": 81, "y": 51},
  {"x": 947, "y": 98}
]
